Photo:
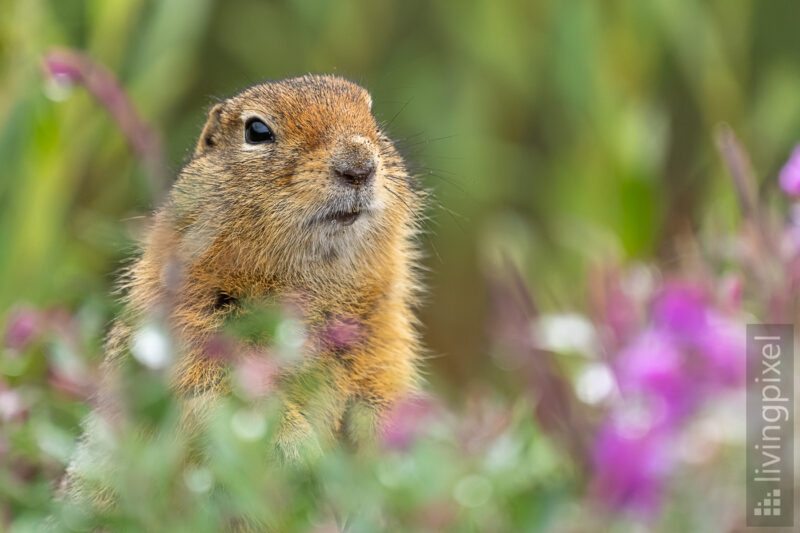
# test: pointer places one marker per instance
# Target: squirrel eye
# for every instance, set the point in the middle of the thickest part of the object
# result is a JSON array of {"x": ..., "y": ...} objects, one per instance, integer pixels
[{"x": 256, "y": 132}]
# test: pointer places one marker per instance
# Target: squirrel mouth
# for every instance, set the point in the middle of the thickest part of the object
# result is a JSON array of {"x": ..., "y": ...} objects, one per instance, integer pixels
[{"x": 345, "y": 218}]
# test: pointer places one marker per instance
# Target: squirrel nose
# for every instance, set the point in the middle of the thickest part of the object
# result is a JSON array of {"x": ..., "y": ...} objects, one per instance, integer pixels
[
  {"x": 355, "y": 173},
  {"x": 354, "y": 162}
]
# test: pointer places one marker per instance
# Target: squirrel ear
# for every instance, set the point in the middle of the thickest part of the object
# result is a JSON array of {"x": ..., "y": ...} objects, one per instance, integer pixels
[{"x": 211, "y": 131}]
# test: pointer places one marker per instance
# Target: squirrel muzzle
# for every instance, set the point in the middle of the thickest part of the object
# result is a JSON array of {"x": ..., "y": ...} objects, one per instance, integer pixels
[{"x": 354, "y": 162}]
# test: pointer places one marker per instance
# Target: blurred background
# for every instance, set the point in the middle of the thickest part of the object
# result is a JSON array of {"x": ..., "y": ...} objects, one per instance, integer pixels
[{"x": 563, "y": 138}]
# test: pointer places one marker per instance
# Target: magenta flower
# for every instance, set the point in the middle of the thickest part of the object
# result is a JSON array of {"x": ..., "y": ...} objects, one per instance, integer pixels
[
  {"x": 688, "y": 351},
  {"x": 652, "y": 368},
  {"x": 789, "y": 176},
  {"x": 714, "y": 345},
  {"x": 406, "y": 421},
  {"x": 342, "y": 333},
  {"x": 22, "y": 327},
  {"x": 219, "y": 348},
  {"x": 681, "y": 309},
  {"x": 722, "y": 349},
  {"x": 658, "y": 393},
  {"x": 630, "y": 467},
  {"x": 71, "y": 66}
]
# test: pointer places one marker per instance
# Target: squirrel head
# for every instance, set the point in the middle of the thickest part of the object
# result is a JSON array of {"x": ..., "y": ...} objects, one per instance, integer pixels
[{"x": 290, "y": 173}]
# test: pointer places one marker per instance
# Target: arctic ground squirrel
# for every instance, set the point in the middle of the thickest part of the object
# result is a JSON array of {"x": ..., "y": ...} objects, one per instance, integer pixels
[{"x": 293, "y": 194}]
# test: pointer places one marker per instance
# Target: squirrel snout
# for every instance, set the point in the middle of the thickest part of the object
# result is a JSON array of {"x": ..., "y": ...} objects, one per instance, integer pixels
[
  {"x": 355, "y": 175},
  {"x": 355, "y": 162}
]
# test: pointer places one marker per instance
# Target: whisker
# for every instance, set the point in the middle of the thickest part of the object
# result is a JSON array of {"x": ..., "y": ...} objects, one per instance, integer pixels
[{"x": 387, "y": 124}]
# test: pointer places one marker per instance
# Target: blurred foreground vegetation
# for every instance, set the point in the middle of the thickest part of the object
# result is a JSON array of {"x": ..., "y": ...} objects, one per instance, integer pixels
[{"x": 571, "y": 149}]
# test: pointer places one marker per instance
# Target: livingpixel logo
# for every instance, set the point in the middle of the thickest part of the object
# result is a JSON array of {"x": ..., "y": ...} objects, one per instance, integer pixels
[
  {"x": 769, "y": 506},
  {"x": 770, "y": 425}
]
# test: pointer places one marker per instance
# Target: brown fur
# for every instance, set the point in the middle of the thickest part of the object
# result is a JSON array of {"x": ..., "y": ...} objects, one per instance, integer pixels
[{"x": 246, "y": 223}]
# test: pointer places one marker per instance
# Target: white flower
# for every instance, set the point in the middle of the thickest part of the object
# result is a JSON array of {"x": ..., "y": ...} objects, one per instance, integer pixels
[
  {"x": 566, "y": 333},
  {"x": 595, "y": 383},
  {"x": 151, "y": 347}
]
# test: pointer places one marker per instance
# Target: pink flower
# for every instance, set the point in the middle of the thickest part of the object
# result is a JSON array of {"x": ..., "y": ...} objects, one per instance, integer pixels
[
  {"x": 257, "y": 374},
  {"x": 12, "y": 406},
  {"x": 789, "y": 176},
  {"x": 653, "y": 367},
  {"x": 689, "y": 351},
  {"x": 22, "y": 327},
  {"x": 630, "y": 468},
  {"x": 71, "y": 66},
  {"x": 722, "y": 348},
  {"x": 406, "y": 421},
  {"x": 219, "y": 348},
  {"x": 681, "y": 308},
  {"x": 342, "y": 333}
]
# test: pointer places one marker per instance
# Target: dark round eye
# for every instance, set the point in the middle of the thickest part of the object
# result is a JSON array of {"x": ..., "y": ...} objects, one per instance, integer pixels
[{"x": 256, "y": 132}]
